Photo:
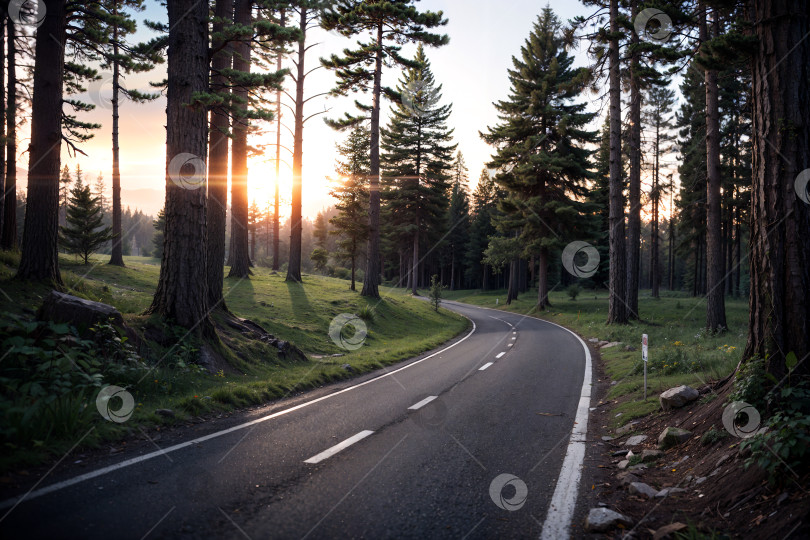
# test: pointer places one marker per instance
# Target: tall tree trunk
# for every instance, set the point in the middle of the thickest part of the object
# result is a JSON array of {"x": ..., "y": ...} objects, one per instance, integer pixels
[
  {"x": 779, "y": 306},
  {"x": 296, "y": 225},
  {"x": 240, "y": 258},
  {"x": 715, "y": 299},
  {"x": 372, "y": 279},
  {"x": 354, "y": 263},
  {"x": 737, "y": 252},
  {"x": 512, "y": 287},
  {"x": 634, "y": 212},
  {"x": 671, "y": 261},
  {"x": 8, "y": 239},
  {"x": 654, "y": 265},
  {"x": 117, "y": 254},
  {"x": 218, "y": 139},
  {"x": 542, "y": 280},
  {"x": 39, "y": 256},
  {"x": 617, "y": 309},
  {"x": 3, "y": 112},
  {"x": 276, "y": 197},
  {"x": 415, "y": 259},
  {"x": 182, "y": 290}
]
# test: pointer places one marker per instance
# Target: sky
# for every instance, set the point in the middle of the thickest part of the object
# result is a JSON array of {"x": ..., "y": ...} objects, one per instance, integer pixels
[{"x": 472, "y": 69}]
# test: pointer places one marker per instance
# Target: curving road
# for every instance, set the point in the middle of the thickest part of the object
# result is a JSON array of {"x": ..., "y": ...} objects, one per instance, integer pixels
[{"x": 418, "y": 450}]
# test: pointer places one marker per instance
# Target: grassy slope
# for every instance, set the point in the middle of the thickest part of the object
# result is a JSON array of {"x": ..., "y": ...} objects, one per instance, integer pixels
[
  {"x": 401, "y": 328},
  {"x": 680, "y": 350}
]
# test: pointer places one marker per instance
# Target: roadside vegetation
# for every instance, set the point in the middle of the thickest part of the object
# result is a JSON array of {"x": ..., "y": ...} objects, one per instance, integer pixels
[{"x": 51, "y": 374}]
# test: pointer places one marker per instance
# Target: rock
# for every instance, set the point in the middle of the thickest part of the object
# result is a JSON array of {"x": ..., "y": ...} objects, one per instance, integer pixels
[
  {"x": 640, "y": 488},
  {"x": 626, "y": 478},
  {"x": 635, "y": 440},
  {"x": 611, "y": 344},
  {"x": 651, "y": 455},
  {"x": 603, "y": 519},
  {"x": 666, "y": 492},
  {"x": 639, "y": 467},
  {"x": 673, "y": 436},
  {"x": 677, "y": 397},
  {"x": 607, "y": 438},
  {"x": 667, "y": 530},
  {"x": 630, "y": 348},
  {"x": 348, "y": 368},
  {"x": 619, "y": 453},
  {"x": 602, "y": 344},
  {"x": 623, "y": 464},
  {"x": 83, "y": 314},
  {"x": 700, "y": 480},
  {"x": 723, "y": 459},
  {"x": 166, "y": 413},
  {"x": 594, "y": 340},
  {"x": 627, "y": 428}
]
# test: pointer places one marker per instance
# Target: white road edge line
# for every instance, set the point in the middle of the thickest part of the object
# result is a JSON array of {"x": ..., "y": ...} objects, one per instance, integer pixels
[
  {"x": 329, "y": 452},
  {"x": 500, "y": 354},
  {"x": 563, "y": 503},
  {"x": 132, "y": 461},
  {"x": 510, "y": 344},
  {"x": 417, "y": 406},
  {"x": 485, "y": 366}
]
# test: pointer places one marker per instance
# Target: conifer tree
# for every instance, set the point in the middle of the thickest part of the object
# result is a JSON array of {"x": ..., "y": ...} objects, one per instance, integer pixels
[
  {"x": 458, "y": 224},
  {"x": 84, "y": 232},
  {"x": 417, "y": 156},
  {"x": 389, "y": 24},
  {"x": 483, "y": 208},
  {"x": 540, "y": 141},
  {"x": 159, "y": 236},
  {"x": 351, "y": 222}
]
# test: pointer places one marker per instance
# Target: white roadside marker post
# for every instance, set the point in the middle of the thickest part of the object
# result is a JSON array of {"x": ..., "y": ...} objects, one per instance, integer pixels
[{"x": 644, "y": 358}]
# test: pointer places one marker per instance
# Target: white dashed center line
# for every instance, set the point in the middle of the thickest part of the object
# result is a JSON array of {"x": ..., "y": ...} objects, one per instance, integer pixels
[
  {"x": 500, "y": 354},
  {"x": 417, "y": 406},
  {"x": 485, "y": 366},
  {"x": 338, "y": 447}
]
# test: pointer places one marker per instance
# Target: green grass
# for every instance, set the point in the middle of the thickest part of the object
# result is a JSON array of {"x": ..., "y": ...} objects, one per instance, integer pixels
[
  {"x": 681, "y": 351},
  {"x": 399, "y": 327}
]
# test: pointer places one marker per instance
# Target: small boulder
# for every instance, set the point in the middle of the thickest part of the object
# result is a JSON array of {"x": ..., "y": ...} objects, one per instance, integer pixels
[
  {"x": 604, "y": 519},
  {"x": 678, "y": 397},
  {"x": 635, "y": 440},
  {"x": 623, "y": 464},
  {"x": 65, "y": 308},
  {"x": 666, "y": 492},
  {"x": 627, "y": 428},
  {"x": 640, "y": 488},
  {"x": 651, "y": 455},
  {"x": 626, "y": 478},
  {"x": 673, "y": 436},
  {"x": 619, "y": 453},
  {"x": 611, "y": 344},
  {"x": 348, "y": 368}
]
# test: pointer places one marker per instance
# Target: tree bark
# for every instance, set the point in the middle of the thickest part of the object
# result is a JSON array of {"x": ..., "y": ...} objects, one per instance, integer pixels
[
  {"x": 372, "y": 278},
  {"x": 296, "y": 216},
  {"x": 217, "y": 202},
  {"x": 117, "y": 252},
  {"x": 634, "y": 212},
  {"x": 512, "y": 292},
  {"x": 779, "y": 305},
  {"x": 182, "y": 290},
  {"x": 240, "y": 257},
  {"x": 39, "y": 259},
  {"x": 276, "y": 198},
  {"x": 542, "y": 280},
  {"x": 3, "y": 112},
  {"x": 715, "y": 298},
  {"x": 617, "y": 309},
  {"x": 8, "y": 238},
  {"x": 654, "y": 264}
]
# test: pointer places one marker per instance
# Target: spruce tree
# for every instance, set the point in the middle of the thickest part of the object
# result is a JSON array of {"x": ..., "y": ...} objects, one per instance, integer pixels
[
  {"x": 84, "y": 232},
  {"x": 159, "y": 236},
  {"x": 417, "y": 159},
  {"x": 483, "y": 208},
  {"x": 351, "y": 222},
  {"x": 389, "y": 24},
  {"x": 541, "y": 141}
]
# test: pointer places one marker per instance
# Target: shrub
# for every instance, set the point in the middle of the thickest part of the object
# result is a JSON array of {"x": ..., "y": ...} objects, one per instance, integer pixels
[
  {"x": 573, "y": 291},
  {"x": 366, "y": 313},
  {"x": 435, "y": 292}
]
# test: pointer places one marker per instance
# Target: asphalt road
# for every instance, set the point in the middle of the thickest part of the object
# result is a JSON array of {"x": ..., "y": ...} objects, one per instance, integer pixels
[{"x": 408, "y": 452}]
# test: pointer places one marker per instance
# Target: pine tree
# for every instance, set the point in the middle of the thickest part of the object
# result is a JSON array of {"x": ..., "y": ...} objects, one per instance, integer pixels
[
  {"x": 320, "y": 232},
  {"x": 541, "y": 141},
  {"x": 417, "y": 156},
  {"x": 458, "y": 224},
  {"x": 351, "y": 222},
  {"x": 483, "y": 209},
  {"x": 598, "y": 200},
  {"x": 84, "y": 232},
  {"x": 159, "y": 236},
  {"x": 657, "y": 117},
  {"x": 390, "y": 24}
]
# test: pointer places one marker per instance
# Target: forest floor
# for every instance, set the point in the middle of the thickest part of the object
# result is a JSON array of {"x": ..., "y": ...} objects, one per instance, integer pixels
[
  {"x": 398, "y": 327},
  {"x": 722, "y": 497}
]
